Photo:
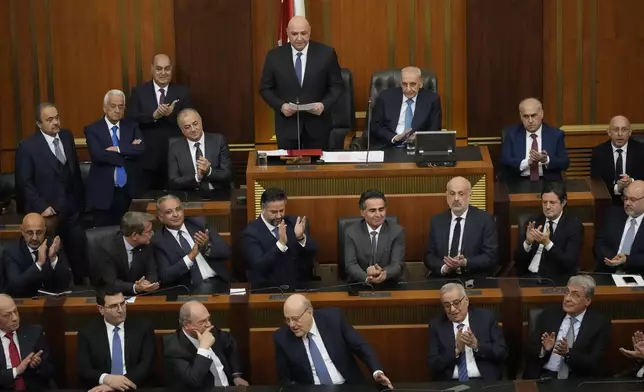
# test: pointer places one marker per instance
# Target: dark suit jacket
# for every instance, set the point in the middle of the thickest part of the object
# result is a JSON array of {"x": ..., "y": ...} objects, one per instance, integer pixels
[
  {"x": 322, "y": 83},
  {"x": 266, "y": 264},
  {"x": 479, "y": 244},
  {"x": 181, "y": 172},
  {"x": 562, "y": 258},
  {"x": 41, "y": 181},
  {"x": 94, "y": 356},
  {"x": 169, "y": 255},
  {"x": 140, "y": 107},
  {"x": 24, "y": 279},
  {"x": 390, "y": 250},
  {"x": 607, "y": 242},
  {"x": 492, "y": 350},
  {"x": 186, "y": 370},
  {"x": 386, "y": 113},
  {"x": 100, "y": 182},
  {"x": 588, "y": 351},
  {"x": 602, "y": 165},
  {"x": 111, "y": 266},
  {"x": 31, "y": 339},
  {"x": 513, "y": 151},
  {"x": 342, "y": 342}
]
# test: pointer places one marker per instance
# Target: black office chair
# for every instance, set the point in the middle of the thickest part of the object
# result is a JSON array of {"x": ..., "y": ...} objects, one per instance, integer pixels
[
  {"x": 7, "y": 192},
  {"x": 343, "y": 222},
  {"x": 639, "y": 138},
  {"x": 96, "y": 236},
  {"x": 343, "y": 113},
  {"x": 87, "y": 219}
]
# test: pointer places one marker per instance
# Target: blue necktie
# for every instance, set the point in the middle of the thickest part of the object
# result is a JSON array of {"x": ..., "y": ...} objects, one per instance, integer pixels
[
  {"x": 462, "y": 362},
  {"x": 298, "y": 67},
  {"x": 318, "y": 362},
  {"x": 121, "y": 176},
  {"x": 276, "y": 232},
  {"x": 117, "y": 353},
  {"x": 409, "y": 115}
]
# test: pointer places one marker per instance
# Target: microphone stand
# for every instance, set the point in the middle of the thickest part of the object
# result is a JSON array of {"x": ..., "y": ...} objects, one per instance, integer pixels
[
  {"x": 366, "y": 164},
  {"x": 297, "y": 115}
]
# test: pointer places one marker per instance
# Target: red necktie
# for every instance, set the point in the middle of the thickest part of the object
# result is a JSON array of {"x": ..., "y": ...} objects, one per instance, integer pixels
[
  {"x": 534, "y": 169},
  {"x": 161, "y": 96},
  {"x": 15, "y": 362}
]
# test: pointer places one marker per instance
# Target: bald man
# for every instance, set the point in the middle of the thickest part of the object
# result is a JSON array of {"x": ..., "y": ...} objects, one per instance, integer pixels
[
  {"x": 318, "y": 348},
  {"x": 35, "y": 262},
  {"x": 26, "y": 363},
  {"x": 619, "y": 243},
  {"x": 302, "y": 70},
  {"x": 462, "y": 240},
  {"x": 198, "y": 354},
  {"x": 400, "y": 112},
  {"x": 533, "y": 149},
  {"x": 154, "y": 105},
  {"x": 619, "y": 160}
]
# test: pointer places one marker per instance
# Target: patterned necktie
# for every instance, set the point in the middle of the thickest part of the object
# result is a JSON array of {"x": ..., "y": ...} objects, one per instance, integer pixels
[
  {"x": 58, "y": 152},
  {"x": 117, "y": 353},
  {"x": 121, "y": 176},
  {"x": 619, "y": 165},
  {"x": 456, "y": 238},
  {"x": 534, "y": 169},
  {"x": 628, "y": 239},
  {"x": 298, "y": 67},
  {"x": 570, "y": 340},
  {"x": 19, "y": 384},
  {"x": 320, "y": 367},
  {"x": 462, "y": 361},
  {"x": 409, "y": 115},
  {"x": 161, "y": 96},
  {"x": 374, "y": 246},
  {"x": 198, "y": 153},
  {"x": 276, "y": 232}
]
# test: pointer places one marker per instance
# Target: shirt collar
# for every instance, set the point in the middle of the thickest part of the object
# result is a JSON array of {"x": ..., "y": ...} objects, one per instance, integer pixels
[
  {"x": 556, "y": 220},
  {"x": 579, "y": 317},
  {"x": 110, "y": 125},
  {"x": 128, "y": 247},
  {"x": 157, "y": 87},
  {"x": 638, "y": 220},
  {"x": 110, "y": 327},
  {"x": 200, "y": 141},
  {"x": 175, "y": 233},
  {"x": 413, "y": 99},
  {"x": 465, "y": 322},
  {"x": 369, "y": 229},
  {"x": 463, "y": 215},
  {"x": 50, "y": 139},
  {"x": 623, "y": 148},
  {"x": 192, "y": 340},
  {"x": 268, "y": 225},
  {"x": 314, "y": 329},
  {"x": 537, "y": 132},
  {"x": 304, "y": 51}
]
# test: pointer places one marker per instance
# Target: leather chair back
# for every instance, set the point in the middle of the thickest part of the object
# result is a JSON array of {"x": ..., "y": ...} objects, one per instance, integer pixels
[
  {"x": 390, "y": 78},
  {"x": 84, "y": 170},
  {"x": 522, "y": 222},
  {"x": 343, "y": 113},
  {"x": 639, "y": 138},
  {"x": 7, "y": 190},
  {"x": 532, "y": 319},
  {"x": 95, "y": 236},
  {"x": 173, "y": 139}
]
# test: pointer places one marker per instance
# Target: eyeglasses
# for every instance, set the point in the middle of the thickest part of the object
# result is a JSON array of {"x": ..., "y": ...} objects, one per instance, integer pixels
[
  {"x": 632, "y": 199},
  {"x": 619, "y": 130},
  {"x": 573, "y": 294},
  {"x": 294, "y": 320},
  {"x": 115, "y": 307},
  {"x": 456, "y": 304}
]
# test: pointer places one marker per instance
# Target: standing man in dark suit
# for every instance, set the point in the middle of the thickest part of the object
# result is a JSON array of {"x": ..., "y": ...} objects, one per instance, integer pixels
[
  {"x": 618, "y": 161},
  {"x": 552, "y": 241},
  {"x": 304, "y": 71},
  {"x": 115, "y": 354},
  {"x": 400, "y": 112},
  {"x": 34, "y": 262},
  {"x": 532, "y": 149},
  {"x": 319, "y": 349},
  {"x": 454, "y": 250},
  {"x": 187, "y": 252},
  {"x": 464, "y": 342},
  {"x": 126, "y": 261},
  {"x": 619, "y": 244},
  {"x": 154, "y": 105},
  {"x": 569, "y": 343},
  {"x": 277, "y": 249},
  {"x": 48, "y": 182},
  {"x": 201, "y": 160},
  {"x": 114, "y": 145},
  {"x": 25, "y": 347},
  {"x": 374, "y": 249},
  {"x": 200, "y": 355}
]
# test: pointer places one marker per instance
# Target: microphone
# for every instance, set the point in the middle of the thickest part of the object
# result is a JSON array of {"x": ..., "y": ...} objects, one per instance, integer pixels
[
  {"x": 346, "y": 285},
  {"x": 297, "y": 115},
  {"x": 47, "y": 294},
  {"x": 540, "y": 380},
  {"x": 166, "y": 289},
  {"x": 446, "y": 280},
  {"x": 526, "y": 278},
  {"x": 281, "y": 288},
  {"x": 368, "y": 131},
  {"x": 609, "y": 382}
]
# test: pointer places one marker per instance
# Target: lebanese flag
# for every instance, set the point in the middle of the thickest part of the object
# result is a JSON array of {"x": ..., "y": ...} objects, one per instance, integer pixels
[{"x": 288, "y": 9}]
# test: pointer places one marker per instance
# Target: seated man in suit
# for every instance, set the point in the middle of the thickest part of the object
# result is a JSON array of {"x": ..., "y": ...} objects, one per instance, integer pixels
[
  {"x": 200, "y": 355},
  {"x": 400, "y": 112},
  {"x": 35, "y": 262},
  {"x": 618, "y": 161},
  {"x": 126, "y": 262},
  {"x": 114, "y": 144},
  {"x": 619, "y": 244},
  {"x": 318, "y": 348},
  {"x": 569, "y": 342},
  {"x": 115, "y": 354},
  {"x": 552, "y": 241},
  {"x": 187, "y": 252},
  {"x": 465, "y": 342},
  {"x": 25, "y": 347},
  {"x": 454, "y": 250},
  {"x": 201, "y": 160},
  {"x": 276, "y": 247},
  {"x": 374, "y": 249},
  {"x": 533, "y": 149}
]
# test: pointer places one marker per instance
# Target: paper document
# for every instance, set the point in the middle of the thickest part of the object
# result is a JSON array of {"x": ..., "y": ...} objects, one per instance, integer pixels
[
  {"x": 240, "y": 291},
  {"x": 43, "y": 292},
  {"x": 620, "y": 280},
  {"x": 352, "y": 156},
  {"x": 302, "y": 108},
  {"x": 131, "y": 300},
  {"x": 274, "y": 153}
]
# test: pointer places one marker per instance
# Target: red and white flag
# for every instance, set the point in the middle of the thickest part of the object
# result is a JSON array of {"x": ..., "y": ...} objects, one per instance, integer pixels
[{"x": 288, "y": 9}]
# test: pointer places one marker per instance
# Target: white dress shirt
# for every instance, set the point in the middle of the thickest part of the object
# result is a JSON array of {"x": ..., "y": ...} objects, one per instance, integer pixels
[
  {"x": 472, "y": 368},
  {"x": 193, "y": 156},
  {"x": 129, "y": 249},
  {"x": 280, "y": 246},
  {"x": 400, "y": 127},
  {"x": 50, "y": 143},
  {"x": 303, "y": 58},
  {"x": 615, "y": 155},
  {"x": 536, "y": 260},
  {"x": 554, "y": 362},
  {"x": 204, "y": 268},
  {"x": 370, "y": 229},
  {"x": 336, "y": 377},
  {"x": 34, "y": 257},
  {"x": 110, "y": 339},
  {"x": 216, "y": 365},
  {"x": 118, "y": 135},
  {"x": 627, "y": 225},
  {"x": 524, "y": 167},
  {"x": 5, "y": 346},
  {"x": 158, "y": 93},
  {"x": 452, "y": 224}
]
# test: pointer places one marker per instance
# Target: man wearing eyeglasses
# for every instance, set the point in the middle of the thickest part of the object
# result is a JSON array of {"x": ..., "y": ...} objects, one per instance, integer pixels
[
  {"x": 569, "y": 342},
  {"x": 318, "y": 348},
  {"x": 619, "y": 243},
  {"x": 115, "y": 354},
  {"x": 464, "y": 342}
]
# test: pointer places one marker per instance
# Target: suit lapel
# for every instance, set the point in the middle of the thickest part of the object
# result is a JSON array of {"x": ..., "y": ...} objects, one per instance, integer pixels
[
  {"x": 585, "y": 329},
  {"x": 25, "y": 343},
  {"x": 469, "y": 231},
  {"x": 419, "y": 111},
  {"x": 324, "y": 330},
  {"x": 447, "y": 216},
  {"x": 289, "y": 64},
  {"x": 188, "y": 167},
  {"x": 121, "y": 253},
  {"x": 383, "y": 239},
  {"x": 126, "y": 343},
  {"x": 631, "y": 159},
  {"x": 47, "y": 155},
  {"x": 309, "y": 64},
  {"x": 447, "y": 329}
]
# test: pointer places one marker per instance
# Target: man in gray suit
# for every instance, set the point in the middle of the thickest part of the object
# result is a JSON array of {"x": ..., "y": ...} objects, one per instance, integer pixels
[
  {"x": 201, "y": 160},
  {"x": 374, "y": 249}
]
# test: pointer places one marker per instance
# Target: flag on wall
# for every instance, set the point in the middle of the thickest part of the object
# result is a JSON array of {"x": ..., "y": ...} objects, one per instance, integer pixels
[{"x": 288, "y": 9}]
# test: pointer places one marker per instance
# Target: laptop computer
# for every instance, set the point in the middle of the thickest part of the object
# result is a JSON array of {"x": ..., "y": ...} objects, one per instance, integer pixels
[{"x": 436, "y": 148}]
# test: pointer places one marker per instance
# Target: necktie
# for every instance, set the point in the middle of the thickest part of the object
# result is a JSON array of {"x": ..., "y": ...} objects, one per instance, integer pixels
[
  {"x": 551, "y": 228},
  {"x": 628, "y": 239},
  {"x": 462, "y": 362},
  {"x": 35, "y": 254},
  {"x": 320, "y": 367},
  {"x": 534, "y": 169},
  {"x": 570, "y": 339},
  {"x": 59, "y": 153},
  {"x": 409, "y": 115},
  {"x": 19, "y": 384},
  {"x": 195, "y": 274},
  {"x": 117, "y": 353},
  {"x": 456, "y": 238},
  {"x": 215, "y": 373},
  {"x": 619, "y": 164},
  {"x": 161, "y": 96},
  {"x": 298, "y": 67},
  {"x": 121, "y": 176},
  {"x": 198, "y": 153},
  {"x": 374, "y": 246},
  {"x": 276, "y": 232}
]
